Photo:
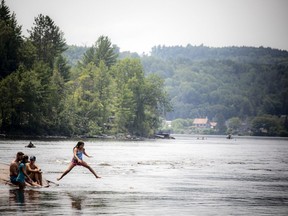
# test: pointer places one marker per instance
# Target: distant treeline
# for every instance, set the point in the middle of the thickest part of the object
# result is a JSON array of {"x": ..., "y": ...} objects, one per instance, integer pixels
[
  {"x": 233, "y": 81},
  {"x": 246, "y": 83}
]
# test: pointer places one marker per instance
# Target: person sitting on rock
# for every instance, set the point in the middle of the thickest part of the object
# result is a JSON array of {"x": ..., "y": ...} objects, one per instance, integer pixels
[{"x": 34, "y": 171}]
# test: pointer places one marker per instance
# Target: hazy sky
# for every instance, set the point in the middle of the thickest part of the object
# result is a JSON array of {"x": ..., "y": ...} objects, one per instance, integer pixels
[{"x": 138, "y": 25}]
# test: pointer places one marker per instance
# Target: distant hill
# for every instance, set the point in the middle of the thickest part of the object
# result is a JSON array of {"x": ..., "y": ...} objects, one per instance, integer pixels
[
  {"x": 75, "y": 53},
  {"x": 203, "y": 81},
  {"x": 231, "y": 81},
  {"x": 247, "y": 54}
]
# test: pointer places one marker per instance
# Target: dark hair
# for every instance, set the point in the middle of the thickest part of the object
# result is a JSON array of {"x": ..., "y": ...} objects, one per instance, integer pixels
[
  {"x": 32, "y": 158},
  {"x": 20, "y": 153},
  {"x": 25, "y": 157},
  {"x": 79, "y": 144}
]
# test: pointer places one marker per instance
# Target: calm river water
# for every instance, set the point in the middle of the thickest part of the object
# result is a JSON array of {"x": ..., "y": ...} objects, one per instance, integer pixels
[{"x": 185, "y": 176}]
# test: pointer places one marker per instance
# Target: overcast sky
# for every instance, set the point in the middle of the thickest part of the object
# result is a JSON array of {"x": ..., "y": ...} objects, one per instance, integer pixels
[{"x": 138, "y": 25}]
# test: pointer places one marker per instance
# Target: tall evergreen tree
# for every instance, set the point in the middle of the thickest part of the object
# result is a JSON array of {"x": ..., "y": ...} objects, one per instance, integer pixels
[
  {"x": 10, "y": 41},
  {"x": 61, "y": 65},
  {"x": 101, "y": 51},
  {"x": 48, "y": 39}
]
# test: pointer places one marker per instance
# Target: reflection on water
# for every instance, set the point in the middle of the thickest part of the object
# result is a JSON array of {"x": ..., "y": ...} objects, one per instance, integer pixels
[
  {"x": 76, "y": 201},
  {"x": 186, "y": 176},
  {"x": 17, "y": 196},
  {"x": 23, "y": 200}
]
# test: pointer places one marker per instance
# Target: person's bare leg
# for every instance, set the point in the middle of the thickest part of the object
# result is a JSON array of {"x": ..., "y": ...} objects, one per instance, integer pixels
[
  {"x": 28, "y": 183},
  {"x": 70, "y": 167},
  {"x": 38, "y": 178},
  {"x": 84, "y": 164},
  {"x": 32, "y": 175},
  {"x": 35, "y": 184}
]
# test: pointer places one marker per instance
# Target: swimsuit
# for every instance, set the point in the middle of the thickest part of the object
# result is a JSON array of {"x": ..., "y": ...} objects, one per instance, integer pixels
[
  {"x": 13, "y": 179},
  {"x": 79, "y": 155},
  {"x": 21, "y": 177}
]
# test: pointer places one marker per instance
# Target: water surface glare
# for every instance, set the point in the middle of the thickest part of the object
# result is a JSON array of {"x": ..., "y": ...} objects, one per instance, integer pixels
[{"x": 185, "y": 176}]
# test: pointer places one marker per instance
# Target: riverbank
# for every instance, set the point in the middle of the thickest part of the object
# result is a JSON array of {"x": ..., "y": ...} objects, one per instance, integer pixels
[{"x": 82, "y": 137}]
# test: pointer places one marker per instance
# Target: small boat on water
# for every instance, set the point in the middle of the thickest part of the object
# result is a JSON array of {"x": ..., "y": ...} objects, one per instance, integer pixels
[
  {"x": 163, "y": 136},
  {"x": 30, "y": 145},
  {"x": 5, "y": 177},
  {"x": 229, "y": 136}
]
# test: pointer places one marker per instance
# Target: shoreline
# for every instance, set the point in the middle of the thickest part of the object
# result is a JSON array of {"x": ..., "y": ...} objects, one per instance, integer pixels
[{"x": 84, "y": 137}]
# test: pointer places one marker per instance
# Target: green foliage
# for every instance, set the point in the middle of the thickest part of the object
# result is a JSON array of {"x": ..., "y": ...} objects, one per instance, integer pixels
[
  {"x": 10, "y": 41},
  {"x": 28, "y": 53},
  {"x": 139, "y": 100},
  {"x": 44, "y": 93},
  {"x": 74, "y": 54},
  {"x": 124, "y": 97},
  {"x": 223, "y": 83},
  {"x": 101, "y": 51},
  {"x": 234, "y": 82},
  {"x": 62, "y": 66},
  {"x": 83, "y": 99},
  {"x": 267, "y": 126},
  {"x": 234, "y": 125},
  {"x": 48, "y": 39},
  {"x": 181, "y": 126}
]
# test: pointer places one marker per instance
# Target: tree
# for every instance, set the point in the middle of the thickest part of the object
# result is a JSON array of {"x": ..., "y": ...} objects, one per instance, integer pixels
[
  {"x": 106, "y": 90},
  {"x": 126, "y": 106},
  {"x": 101, "y": 51},
  {"x": 10, "y": 102},
  {"x": 83, "y": 103},
  {"x": 62, "y": 66},
  {"x": 221, "y": 127},
  {"x": 20, "y": 99},
  {"x": 266, "y": 126},
  {"x": 10, "y": 41},
  {"x": 48, "y": 39},
  {"x": 28, "y": 54},
  {"x": 58, "y": 122},
  {"x": 156, "y": 102},
  {"x": 29, "y": 111},
  {"x": 140, "y": 101},
  {"x": 234, "y": 125}
]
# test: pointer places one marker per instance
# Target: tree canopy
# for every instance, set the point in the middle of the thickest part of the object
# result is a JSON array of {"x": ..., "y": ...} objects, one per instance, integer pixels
[
  {"x": 47, "y": 38},
  {"x": 234, "y": 82},
  {"x": 101, "y": 51},
  {"x": 41, "y": 94},
  {"x": 10, "y": 41}
]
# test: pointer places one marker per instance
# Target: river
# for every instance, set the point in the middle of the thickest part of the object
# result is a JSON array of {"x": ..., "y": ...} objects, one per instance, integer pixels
[{"x": 185, "y": 176}]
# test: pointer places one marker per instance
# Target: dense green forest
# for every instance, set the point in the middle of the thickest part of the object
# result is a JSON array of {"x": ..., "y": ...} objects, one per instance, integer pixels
[
  {"x": 243, "y": 89},
  {"x": 44, "y": 93},
  {"x": 246, "y": 84},
  {"x": 50, "y": 88}
]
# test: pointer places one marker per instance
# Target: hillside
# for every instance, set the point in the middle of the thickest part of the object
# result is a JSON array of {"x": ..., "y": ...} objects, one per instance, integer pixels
[
  {"x": 232, "y": 81},
  {"x": 246, "y": 85}
]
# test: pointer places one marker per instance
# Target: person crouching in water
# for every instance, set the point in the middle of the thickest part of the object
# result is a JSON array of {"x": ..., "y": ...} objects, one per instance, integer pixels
[
  {"x": 34, "y": 171},
  {"x": 22, "y": 173},
  {"x": 77, "y": 159}
]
